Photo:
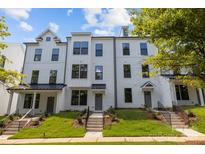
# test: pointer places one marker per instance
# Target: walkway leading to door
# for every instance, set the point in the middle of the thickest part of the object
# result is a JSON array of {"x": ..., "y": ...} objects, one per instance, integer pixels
[
  {"x": 190, "y": 132},
  {"x": 95, "y": 122}
]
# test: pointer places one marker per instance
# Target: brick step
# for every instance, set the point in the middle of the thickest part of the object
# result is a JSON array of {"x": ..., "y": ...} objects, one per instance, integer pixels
[
  {"x": 94, "y": 129},
  {"x": 94, "y": 126}
]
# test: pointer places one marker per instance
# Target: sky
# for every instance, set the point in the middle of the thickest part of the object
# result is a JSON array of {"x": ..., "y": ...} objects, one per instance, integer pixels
[{"x": 26, "y": 24}]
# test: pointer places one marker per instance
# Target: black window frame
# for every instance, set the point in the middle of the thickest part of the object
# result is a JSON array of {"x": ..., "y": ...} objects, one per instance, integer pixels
[
  {"x": 28, "y": 101},
  {"x": 79, "y": 98},
  {"x": 127, "y": 71},
  {"x": 99, "y": 75},
  {"x": 81, "y": 71},
  {"x": 34, "y": 80},
  {"x": 143, "y": 50},
  {"x": 84, "y": 49},
  {"x": 53, "y": 76},
  {"x": 182, "y": 92},
  {"x": 126, "y": 51},
  {"x": 55, "y": 56},
  {"x": 98, "y": 50},
  {"x": 127, "y": 92},
  {"x": 37, "y": 56},
  {"x": 145, "y": 71},
  {"x": 81, "y": 48}
]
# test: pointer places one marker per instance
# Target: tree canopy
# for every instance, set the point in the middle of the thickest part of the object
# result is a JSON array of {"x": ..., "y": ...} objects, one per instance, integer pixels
[
  {"x": 7, "y": 76},
  {"x": 179, "y": 35}
]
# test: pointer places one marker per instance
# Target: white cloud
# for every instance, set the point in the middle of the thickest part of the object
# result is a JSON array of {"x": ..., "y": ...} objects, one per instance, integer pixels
[
  {"x": 103, "y": 32},
  {"x": 25, "y": 26},
  {"x": 69, "y": 12},
  {"x": 106, "y": 19},
  {"x": 54, "y": 27},
  {"x": 18, "y": 13}
]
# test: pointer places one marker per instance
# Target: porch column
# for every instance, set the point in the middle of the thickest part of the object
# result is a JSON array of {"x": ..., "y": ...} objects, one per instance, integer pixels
[
  {"x": 34, "y": 101},
  {"x": 173, "y": 93},
  {"x": 10, "y": 102},
  {"x": 201, "y": 97}
]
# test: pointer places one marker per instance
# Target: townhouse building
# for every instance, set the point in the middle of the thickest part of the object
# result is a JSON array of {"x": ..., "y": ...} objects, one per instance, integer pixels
[{"x": 98, "y": 72}]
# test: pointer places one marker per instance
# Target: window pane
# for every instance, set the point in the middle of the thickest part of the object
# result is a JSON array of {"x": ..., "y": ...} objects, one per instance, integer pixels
[
  {"x": 98, "y": 72},
  {"x": 48, "y": 38},
  {"x": 99, "y": 50},
  {"x": 84, "y": 48},
  {"x": 83, "y": 97},
  {"x": 75, "y": 97},
  {"x": 37, "y": 56},
  {"x": 75, "y": 71},
  {"x": 28, "y": 100},
  {"x": 34, "y": 78},
  {"x": 128, "y": 95},
  {"x": 177, "y": 92},
  {"x": 83, "y": 71},
  {"x": 145, "y": 71},
  {"x": 184, "y": 92},
  {"x": 55, "y": 55},
  {"x": 126, "y": 48},
  {"x": 53, "y": 76},
  {"x": 127, "y": 71},
  {"x": 37, "y": 101},
  {"x": 143, "y": 48},
  {"x": 76, "y": 48}
]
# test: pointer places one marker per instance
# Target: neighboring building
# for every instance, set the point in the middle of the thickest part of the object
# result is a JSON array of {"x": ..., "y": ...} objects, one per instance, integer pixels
[
  {"x": 99, "y": 72},
  {"x": 15, "y": 54}
]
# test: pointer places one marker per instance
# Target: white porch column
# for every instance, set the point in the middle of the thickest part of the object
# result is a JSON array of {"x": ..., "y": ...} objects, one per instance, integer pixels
[
  {"x": 34, "y": 101},
  {"x": 201, "y": 97},
  {"x": 10, "y": 103},
  {"x": 173, "y": 92}
]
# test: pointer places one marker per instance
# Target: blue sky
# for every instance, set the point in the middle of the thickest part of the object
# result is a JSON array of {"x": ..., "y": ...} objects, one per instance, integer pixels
[{"x": 27, "y": 24}]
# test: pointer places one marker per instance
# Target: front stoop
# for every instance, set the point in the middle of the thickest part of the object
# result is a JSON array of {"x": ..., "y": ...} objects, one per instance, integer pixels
[
  {"x": 14, "y": 127},
  {"x": 95, "y": 122}
]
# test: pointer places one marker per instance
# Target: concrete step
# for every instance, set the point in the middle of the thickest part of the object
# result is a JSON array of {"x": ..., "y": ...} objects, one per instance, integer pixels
[
  {"x": 15, "y": 125},
  {"x": 9, "y": 132},
  {"x": 94, "y": 129},
  {"x": 179, "y": 126},
  {"x": 11, "y": 129},
  {"x": 178, "y": 123},
  {"x": 94, "y": 126},
  {"x": 96, "y": 121}
]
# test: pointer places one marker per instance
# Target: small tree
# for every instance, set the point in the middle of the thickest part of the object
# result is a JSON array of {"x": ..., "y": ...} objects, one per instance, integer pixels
[
  {"x": 179, "y": 35},
  {"x": 9, "y": 77}
]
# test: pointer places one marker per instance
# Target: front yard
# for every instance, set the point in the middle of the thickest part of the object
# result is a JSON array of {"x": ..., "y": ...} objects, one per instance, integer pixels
[
  {"x": 198, "y": 125},
  {"x": 136, "y": 122},
  {"x": 56, "y": 126}
]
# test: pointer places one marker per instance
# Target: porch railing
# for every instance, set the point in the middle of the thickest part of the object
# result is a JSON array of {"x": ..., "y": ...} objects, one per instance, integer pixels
[
  {"x": 166, "y": 113},
  {"x": 87, "y": 116},
  {"x": 23, "y": 117}
]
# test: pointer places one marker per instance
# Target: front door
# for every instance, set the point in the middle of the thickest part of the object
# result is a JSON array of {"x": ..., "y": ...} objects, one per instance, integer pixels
[
  {"x": 148, "y": 99},
  {"x": 98, "y": 102},
  {"x": 50, "y": 104}
]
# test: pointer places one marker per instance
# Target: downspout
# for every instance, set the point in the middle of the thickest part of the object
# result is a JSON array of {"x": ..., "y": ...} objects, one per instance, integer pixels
[
  {"x": 66, "y": 60},
  {"x": 115, "y": 71}
]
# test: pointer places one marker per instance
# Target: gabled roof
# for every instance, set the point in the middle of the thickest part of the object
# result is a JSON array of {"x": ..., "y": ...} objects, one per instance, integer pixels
[
  {"x": 46, "y": 31},
  {"x": 148, "y": 84}
]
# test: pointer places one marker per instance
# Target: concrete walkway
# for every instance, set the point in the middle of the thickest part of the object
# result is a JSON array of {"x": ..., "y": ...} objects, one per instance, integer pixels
[
  {"x": 104, "y": 139},
  {"x": 190, "y": 132}
]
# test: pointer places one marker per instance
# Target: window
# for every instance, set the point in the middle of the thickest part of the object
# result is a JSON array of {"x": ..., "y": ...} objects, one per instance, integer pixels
[
  {"x": 48, "y": 39},
  {"x": 143, "y": 48},
  {"x": 127, "y": 71},
  {"x": 145, "y": 71},
  {"x": 128, "y": 95},
  {"x": 98, "y": 50},
  {"x": 126, "y": 48},
  {"x": 34, "y": 78},
  {"x": 53, "y": 77},
  {"x": 2, "y": 61},
  {"x": 79, "y": 71},
  {"x": 79, "y": 97},
  {"x": 55, "y": 54},
  {"x": 37, "y": 56},
  {"x": 28, "y": 101},
  {"x": 182, "y": 92},
  {"x": 80, "y": 48},
  {"x": 37, "y": 101},
  {"x": 98, "y": 72}
]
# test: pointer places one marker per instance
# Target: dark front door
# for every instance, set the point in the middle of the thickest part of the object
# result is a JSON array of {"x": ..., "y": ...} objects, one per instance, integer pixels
[
  {"x": 50, "y": 104},
  {"x": 148, "y": 98},
  {"x": 98, "y": 102}
]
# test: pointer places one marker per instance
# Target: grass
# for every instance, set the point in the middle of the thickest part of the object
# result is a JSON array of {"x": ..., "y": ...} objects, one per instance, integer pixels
[
  {"x": 135, "y": 122},
  {"x": 2, "y": 117},
  {"x": 198, "y": 125},
  {"x": 56, "y": 126}
]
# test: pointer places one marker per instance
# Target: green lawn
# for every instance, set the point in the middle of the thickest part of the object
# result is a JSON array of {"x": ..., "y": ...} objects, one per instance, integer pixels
[
  {"x": 135, "y": 122},
  {"x": 199, "y": 125},
  {"x": 2, "y": 117},
  {"x": 56, "y": 126}
]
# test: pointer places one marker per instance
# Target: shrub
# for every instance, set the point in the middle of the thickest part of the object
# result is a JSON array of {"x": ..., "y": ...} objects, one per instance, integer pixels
[
  {"x": 11, "y": 117},
  {"x": 191, "y": 114},
  {"x": 1, "y": 131},
  {"x": 111, "y": 110},
  {"x": 83, "y": 112},
  {"x": 35, "y": 123}
]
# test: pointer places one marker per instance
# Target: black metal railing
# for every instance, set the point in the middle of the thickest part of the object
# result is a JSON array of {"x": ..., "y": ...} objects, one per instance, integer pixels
[
  {"x": 166, "y": 113},
  {"x": 87, "y": 116}
]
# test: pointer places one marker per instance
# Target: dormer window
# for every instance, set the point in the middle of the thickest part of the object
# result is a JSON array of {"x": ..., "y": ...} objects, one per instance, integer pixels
[{"x": 48, "y": 39}]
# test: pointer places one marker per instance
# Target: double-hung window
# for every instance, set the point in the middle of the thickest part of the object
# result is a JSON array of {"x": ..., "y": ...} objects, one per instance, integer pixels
[
  {"x": 38, "y": 53},
  {"x": 145, "y": 71},
  {"x": 98, "y": 50},
  {"x": 182, "y": 92},
  {"x": 143, "y": 49},
  {"x": 80, "y": 48},
  {"x": 128, "y": 95},
  {"x": 79, "y": 71},
  {"x": 126, "y": 49},
  {"x": 53, "y": 77},
  {"x": 127, "y": 71},
  {"x": 55, "y": 54},
  {"x": 79, "y": 97},
  {"x": 34, "y": 77},
  {"x": 98, "y": 72}
]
